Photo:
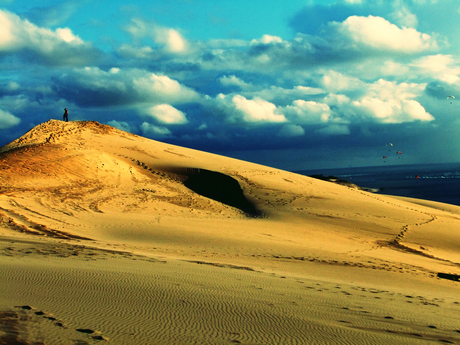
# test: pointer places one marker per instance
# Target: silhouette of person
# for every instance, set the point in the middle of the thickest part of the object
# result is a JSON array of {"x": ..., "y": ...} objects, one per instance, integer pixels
[{"x": 66, "y": 115}]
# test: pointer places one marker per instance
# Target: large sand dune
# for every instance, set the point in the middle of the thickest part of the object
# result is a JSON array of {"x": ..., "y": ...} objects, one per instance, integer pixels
[{"x": 106, "y": 236}]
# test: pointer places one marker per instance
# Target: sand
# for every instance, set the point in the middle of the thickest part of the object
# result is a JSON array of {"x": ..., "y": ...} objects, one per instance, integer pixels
[{"x": 108, "y": 237}]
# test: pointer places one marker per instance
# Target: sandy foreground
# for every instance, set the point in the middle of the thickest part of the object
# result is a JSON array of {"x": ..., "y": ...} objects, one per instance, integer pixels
[{"x": 108, "y": 237}]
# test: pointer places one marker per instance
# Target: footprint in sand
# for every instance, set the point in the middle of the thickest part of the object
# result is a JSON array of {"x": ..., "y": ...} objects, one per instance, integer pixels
[
  {"x": 95, "y": 335},
  {"x": 90, "y": 331}
]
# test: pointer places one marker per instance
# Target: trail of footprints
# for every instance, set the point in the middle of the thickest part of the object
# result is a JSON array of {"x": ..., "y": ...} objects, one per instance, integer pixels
[
  {"x": 13, "y": 322},
  {"x": 405, "y": 228},
  {"x": 396, "y": 243}
]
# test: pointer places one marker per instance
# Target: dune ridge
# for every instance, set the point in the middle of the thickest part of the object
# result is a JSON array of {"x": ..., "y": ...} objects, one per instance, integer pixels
[{"x": 109, "y": 236}]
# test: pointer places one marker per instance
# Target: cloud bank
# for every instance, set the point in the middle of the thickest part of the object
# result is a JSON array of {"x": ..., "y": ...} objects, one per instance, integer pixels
[{"x": 364, "y": 72}]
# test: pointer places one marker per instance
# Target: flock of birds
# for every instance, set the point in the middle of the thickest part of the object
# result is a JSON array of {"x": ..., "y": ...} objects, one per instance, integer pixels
[{"x": 399, "y": 152}]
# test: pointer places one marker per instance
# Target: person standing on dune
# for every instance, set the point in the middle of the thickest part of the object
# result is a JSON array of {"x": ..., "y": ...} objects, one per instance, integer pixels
[{"x": 66, "y": 115}]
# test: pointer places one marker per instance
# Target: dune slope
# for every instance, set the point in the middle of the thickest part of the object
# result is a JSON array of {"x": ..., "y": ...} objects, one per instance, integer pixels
[{"x": 93, "y": 205}]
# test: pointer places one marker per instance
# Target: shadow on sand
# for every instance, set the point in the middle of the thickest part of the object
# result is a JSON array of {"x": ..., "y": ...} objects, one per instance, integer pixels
[{"x": 219, "y": 187}]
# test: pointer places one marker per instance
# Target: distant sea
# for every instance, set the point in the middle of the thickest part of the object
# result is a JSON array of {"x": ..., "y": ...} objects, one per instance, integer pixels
[{"x": 436, "y": 182}]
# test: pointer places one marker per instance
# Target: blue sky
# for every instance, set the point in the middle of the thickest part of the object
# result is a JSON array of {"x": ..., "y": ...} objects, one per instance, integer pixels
[{"x": 299, "y": 84}]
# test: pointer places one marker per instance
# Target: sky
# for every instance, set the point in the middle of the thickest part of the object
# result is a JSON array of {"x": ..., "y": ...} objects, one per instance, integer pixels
[{"x": 295, "y": 85}]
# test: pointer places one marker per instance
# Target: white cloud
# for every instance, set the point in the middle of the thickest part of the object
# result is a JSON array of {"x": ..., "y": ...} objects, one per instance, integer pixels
[
  {"x": 52, "y": 47},
  {"x": 234, "y": 81},
  {"x": 169, "y": 38},
  {"x": 393, "y": 111},
  {"x": 388, "y": 90},
  {"x": 379, "y": 102},
  {"x": 122, "y": 125},
  {"x": 390, "y": 102},
  {"x": 256, "y": 110},
  {"x": 307, "y": 90},
  {"x": 237, "y": 109},
  {"x": 17, "y": 103},
  {"x": 9, "y": 24},
  {"x": 336, "y": 99},
  {"x": 161, "y": 87},
  {"x": 12, "y": 86},
  {"x": 308, "y": 112},
  {"x": 94, "y": 87},
  {"x": 66, "y": 35},
  {"x": 356, "y": 39},
  {"x": 380, "y": 34},
  {"x": 166, "y": 114},
  {"x": 334, "y": 81},
  {"x": 8, "y": 120},
  {"x": 334, "y": 129},
  {"x": 394, "y": 68},
  {"x": 136, "y": 52},
  {"x": 276, "y": 94},
  {"x": 375, "y": 108},
  {"x": 405, "y": 17},
  {"x": 267, "y": 39},
  {"x": 441, "y": 67},
  {"x": 413, "y": 110},
  {"x": 137, "y": 28},
  {"x": 291, "y": 131},
  {"x": 154, "y": 131}
]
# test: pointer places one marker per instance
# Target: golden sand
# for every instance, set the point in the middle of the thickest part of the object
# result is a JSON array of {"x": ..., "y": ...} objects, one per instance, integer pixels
[{"x": 106, "y": 236}]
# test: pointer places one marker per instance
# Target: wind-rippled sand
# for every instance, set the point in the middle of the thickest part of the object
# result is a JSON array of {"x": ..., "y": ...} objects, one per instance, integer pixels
[{"x": 107, "y": 237}]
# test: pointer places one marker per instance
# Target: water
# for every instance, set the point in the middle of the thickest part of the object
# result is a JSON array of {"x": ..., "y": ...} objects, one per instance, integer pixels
[{"x": 436, "y": 182}]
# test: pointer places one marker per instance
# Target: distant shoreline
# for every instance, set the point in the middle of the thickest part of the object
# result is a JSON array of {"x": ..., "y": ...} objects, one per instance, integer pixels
[
  {"x": 434, "y": 182},
  {"x": 342, "y": 182}
]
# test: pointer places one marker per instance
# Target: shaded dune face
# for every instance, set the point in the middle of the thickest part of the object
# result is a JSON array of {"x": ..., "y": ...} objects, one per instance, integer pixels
[{"x": 219, "y": 187}]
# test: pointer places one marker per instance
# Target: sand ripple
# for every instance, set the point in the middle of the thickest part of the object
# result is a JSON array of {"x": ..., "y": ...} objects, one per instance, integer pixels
[{"x": 174, "y": 302}]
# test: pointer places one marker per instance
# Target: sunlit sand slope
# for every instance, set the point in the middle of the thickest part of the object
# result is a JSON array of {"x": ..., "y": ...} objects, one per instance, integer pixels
[{"x": 105, "y": 235}]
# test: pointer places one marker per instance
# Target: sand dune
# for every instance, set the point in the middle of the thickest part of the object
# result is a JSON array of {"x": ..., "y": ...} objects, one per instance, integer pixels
[{"x": 106, "y": 236}]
